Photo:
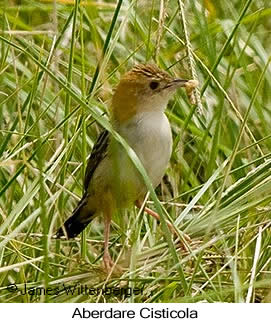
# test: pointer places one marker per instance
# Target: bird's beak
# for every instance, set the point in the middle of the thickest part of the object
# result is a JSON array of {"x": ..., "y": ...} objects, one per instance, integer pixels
[
  {"x": 176, "y": 83},
  {"x": 179, "y": 82}
]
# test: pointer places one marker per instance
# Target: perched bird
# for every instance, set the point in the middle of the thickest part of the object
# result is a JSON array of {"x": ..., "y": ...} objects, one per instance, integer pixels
[{"x": 111, "y": 180}]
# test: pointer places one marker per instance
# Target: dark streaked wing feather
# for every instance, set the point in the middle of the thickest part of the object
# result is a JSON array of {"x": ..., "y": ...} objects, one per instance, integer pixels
[{"x": 98, "y": 153}]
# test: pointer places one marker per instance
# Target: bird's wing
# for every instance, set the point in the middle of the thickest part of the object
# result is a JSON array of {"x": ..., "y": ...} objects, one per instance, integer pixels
[{"x": 98, "y": 153}]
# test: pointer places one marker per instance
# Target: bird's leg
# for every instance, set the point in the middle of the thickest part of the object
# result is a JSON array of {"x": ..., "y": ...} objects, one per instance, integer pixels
[
  {"x": 170, "y": 226},
  {"x": 155, "y": 215},
  {"x": 108, "y": 263}
]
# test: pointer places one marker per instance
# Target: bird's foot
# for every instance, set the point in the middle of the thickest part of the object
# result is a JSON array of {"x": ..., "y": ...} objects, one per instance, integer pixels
[
  {"x": 109, "y": 265},
  {"x": 184, "y": 242},
  {"x": 108, "y": 262}
]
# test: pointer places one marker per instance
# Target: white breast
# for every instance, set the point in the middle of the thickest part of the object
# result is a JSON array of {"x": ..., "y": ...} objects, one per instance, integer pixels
[{"x": 149, "y": 134}]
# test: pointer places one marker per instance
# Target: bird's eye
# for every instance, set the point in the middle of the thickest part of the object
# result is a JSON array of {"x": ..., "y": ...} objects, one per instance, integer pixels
[{"x": 154, "y": 85}]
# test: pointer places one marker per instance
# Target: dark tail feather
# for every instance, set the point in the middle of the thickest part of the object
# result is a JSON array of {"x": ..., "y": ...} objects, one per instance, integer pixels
[{"x": 75, "y": 224}]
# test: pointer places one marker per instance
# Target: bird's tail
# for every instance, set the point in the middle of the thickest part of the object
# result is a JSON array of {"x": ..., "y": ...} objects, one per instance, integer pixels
[{"x": 77, "y": 222}]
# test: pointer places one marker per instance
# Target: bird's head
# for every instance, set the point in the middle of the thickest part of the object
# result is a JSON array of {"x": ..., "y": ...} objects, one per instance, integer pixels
[{"x": 144, "y": 88}]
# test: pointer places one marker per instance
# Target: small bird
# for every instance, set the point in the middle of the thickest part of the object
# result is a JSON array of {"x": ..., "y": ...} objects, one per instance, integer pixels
[{"x": 111, "y": 180}]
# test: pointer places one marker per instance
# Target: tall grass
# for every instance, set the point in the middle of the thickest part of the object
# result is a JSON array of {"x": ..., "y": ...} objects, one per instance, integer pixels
[{"x": 59, "y": 64}]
